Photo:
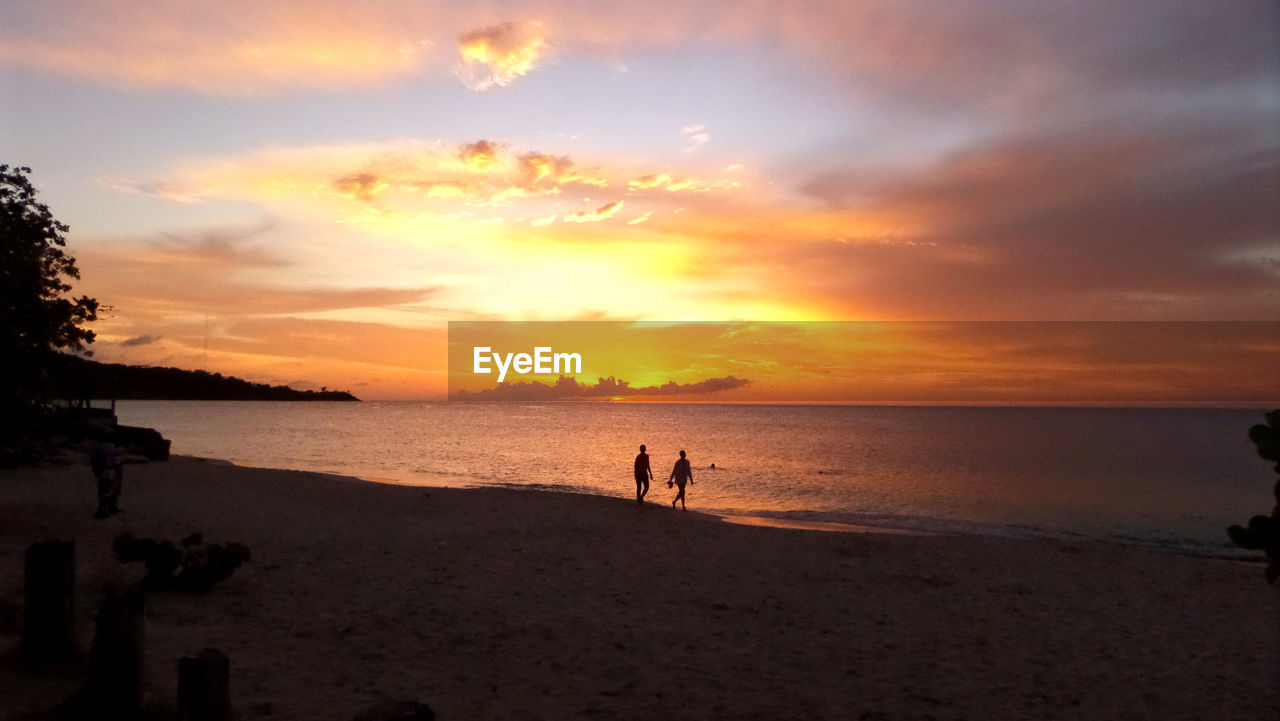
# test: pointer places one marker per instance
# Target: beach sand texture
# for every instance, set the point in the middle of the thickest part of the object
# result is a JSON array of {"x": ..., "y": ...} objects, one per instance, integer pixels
[{"x": 506, "y": 604}]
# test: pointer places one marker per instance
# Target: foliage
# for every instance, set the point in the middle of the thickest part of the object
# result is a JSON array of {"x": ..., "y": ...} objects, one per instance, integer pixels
[
  {"x": 1263, "y": 532},
  {"x": 190, "y": 565},
  {"x": 127, "y": 382},
  {"x": 35, "y": 318}
]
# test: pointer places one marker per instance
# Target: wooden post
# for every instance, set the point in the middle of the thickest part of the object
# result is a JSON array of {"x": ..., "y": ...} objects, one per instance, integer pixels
[
  {"x": 115, "y": 661},
  {"x": 203, "y": 693},
  {"x": 48, "y": 626}
]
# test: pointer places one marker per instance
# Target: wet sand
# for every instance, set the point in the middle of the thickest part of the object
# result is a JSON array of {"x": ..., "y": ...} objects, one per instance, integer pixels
[{"x": 506, "y": 604}]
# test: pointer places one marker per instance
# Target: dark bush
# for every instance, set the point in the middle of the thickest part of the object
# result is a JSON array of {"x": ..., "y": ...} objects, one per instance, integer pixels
[
  {"x": 193, "y": 566},
  {"x": 1263, "y": 532}
]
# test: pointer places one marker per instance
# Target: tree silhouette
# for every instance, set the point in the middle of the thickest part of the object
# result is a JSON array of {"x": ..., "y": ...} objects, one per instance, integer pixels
[
  {"x": 36, "y": 319},
  {"x": 1263, "y": 532}
]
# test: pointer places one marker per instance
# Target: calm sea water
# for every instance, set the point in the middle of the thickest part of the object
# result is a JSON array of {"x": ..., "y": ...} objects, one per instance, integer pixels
[{"x": 1172, "y": 477}]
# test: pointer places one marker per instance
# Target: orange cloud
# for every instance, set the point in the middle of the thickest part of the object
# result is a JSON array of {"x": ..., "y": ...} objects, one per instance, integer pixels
[
  {"x": 676, "y": 184},
  {"x": 360, "y": 186},
  {"x": 645, "y": 182},
  {"x": 402, "y": 181},
  {"x": 604, "y": 212},
  {"x": 541, "y": 170},
  {"x": 497, "y": 55},
  {"x": 483, "y": 174},
  {"x": 480, "y": 155}
]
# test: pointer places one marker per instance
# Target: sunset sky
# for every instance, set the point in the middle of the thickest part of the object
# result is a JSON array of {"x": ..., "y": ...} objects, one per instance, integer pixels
[
  {"x": 306, "y": 192},
  {"x": 1234, "y": 363}
]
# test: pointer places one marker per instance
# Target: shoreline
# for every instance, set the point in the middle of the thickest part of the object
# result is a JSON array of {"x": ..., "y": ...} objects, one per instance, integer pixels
[
  {"x": 1133, "y": 493},
  {"x": 495, "y": 603},
  {"x": 804, "y": 520}
]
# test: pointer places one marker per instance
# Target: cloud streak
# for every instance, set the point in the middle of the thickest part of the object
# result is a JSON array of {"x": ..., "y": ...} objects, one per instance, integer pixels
[
  {"x": 604, "y": 212},
  {"x": 202, "y": 47},
  {"x": 408, "y": 180},
  {"x": 216, "y": 271},
  {"x": 173, "y": 192}
]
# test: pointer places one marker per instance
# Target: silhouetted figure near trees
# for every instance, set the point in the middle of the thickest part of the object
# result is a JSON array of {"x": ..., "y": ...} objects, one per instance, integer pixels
[
  {"x": 84, "y": 392},
  {"x": 643, "y": 475},
  {"x": 682, "y": 473},
  {"x": 108, "y": 467}
]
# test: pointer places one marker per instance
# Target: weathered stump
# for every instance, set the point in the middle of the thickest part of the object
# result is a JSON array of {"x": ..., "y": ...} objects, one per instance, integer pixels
[
  {"x": 48, "y": 624},
  {"x": 115, "y": 660},
  {"x": 203, "y": 694}
]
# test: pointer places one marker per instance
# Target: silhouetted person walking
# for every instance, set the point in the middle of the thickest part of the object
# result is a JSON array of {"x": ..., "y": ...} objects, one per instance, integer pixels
[
  {"x": 681, "y": 474},
  {"x": 643, "y": 475}
]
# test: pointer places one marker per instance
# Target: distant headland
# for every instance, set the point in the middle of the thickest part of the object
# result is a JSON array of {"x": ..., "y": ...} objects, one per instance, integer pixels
[{"x": 75, "y": 378}]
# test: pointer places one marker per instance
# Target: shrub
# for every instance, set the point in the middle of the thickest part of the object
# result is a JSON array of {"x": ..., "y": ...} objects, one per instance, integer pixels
[
  {"x": 1263, "y": 532},
  {"x": 191, "y": 566}
]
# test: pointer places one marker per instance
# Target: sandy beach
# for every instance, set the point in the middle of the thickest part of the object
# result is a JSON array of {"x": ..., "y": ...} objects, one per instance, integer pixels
[{"x": 505, "y": 604}]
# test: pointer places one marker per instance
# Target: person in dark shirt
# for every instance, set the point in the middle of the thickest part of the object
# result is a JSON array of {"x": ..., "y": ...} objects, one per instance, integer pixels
[
  {"x": 681, "y": 474},
  {"x": 108, "y": 467},
  {"x": 643, "y": 475}
]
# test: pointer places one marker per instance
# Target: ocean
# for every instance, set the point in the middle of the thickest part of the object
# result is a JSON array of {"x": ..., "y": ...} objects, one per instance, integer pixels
[{"x": 1165, "y": 477}]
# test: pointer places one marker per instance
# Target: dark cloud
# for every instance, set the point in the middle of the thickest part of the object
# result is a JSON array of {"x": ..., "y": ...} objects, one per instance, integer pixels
[
  {"x": 710, "y": 385},
  {"x": 566, "y": 388},
  {"x": 1044, "y": 61},
  {"x": 139, "y": 340},
  {"x": 224, "y": 247},
  {"x": 1173, "y": 221}
]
